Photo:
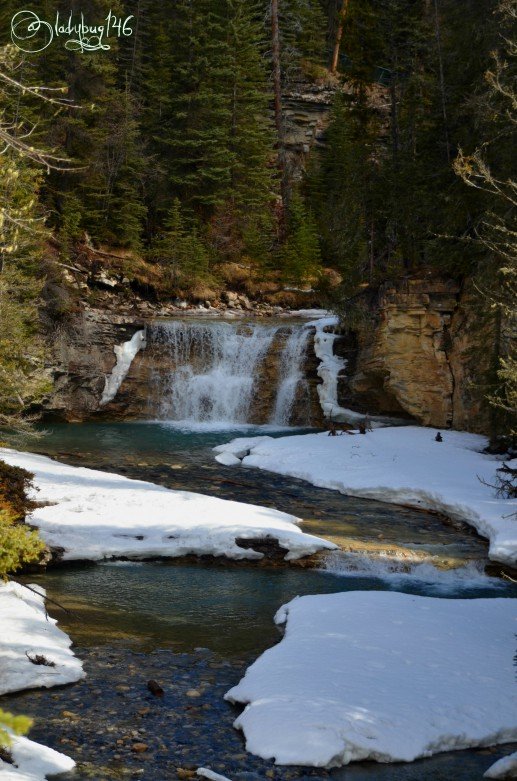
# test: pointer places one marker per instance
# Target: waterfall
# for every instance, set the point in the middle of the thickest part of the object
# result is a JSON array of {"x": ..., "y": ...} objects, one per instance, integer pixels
[
  {"x": 213, "y": 369},
  {"x": 227, "y": 372},
  {"x": 292, "y": 379}
]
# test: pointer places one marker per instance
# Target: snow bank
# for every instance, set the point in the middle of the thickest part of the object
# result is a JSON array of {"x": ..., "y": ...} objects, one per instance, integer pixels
[
  {"x": 205, "y": 772},
  {"x": 95, "y": 515},
  {"x": 402, "y": 465},
  {"x": 125, "y": 354},
  {"x": 33, "y": 762},
  {"x": 383, "y": 676},
  {"x": 503, "y": 768},
  {"x": 26, "y": 631}
]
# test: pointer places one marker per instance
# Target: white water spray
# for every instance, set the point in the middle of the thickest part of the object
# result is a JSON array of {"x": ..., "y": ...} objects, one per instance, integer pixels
[
  {"x": 215, "y": 370},
  {"x": 292, "y": 382}
]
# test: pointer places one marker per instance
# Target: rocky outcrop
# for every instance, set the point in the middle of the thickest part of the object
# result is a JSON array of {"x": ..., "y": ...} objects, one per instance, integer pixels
[
  {"x": 306, "y": 111},
  {"x": 421, "y": 355},
  {"x": 83, "y": 357}
]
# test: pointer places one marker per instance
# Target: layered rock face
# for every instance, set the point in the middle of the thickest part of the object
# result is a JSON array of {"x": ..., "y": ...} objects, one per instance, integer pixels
[
  {"x": 422, "y": 355},
  {"x": 83, "y": 356},
  {"x": 306, "y": 110}
]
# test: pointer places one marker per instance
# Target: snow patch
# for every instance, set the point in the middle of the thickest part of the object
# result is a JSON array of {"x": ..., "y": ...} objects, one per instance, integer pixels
[
  {"x": 503, "y": 768},
  {"x": 402, "y": 465},
  {"x": 33, "y": 762},
  {"x": 125, "y": 354},
  {"x": 240, "y": 446},
  {"x": 27, "y": 631},
  {"x": 382, "y": 676},
  {"x": 330, "y": 366},
  {"x": 227, "y": 459},
  {"x": 97, "y": 515},
  {"x": 205, "y": 772},
  {"x": 329, "y": 369}
]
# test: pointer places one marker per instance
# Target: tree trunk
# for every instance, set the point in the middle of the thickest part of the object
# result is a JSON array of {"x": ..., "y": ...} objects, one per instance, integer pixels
[
  {"x": 277, "y": 95},
  {"x": 277, "y": 79},
  {"x": 339, "y": 35},
  {"x": 442, "y": 79}
]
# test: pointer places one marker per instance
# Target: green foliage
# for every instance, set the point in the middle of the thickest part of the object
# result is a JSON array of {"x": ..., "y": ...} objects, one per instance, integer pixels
[
  {"x": 180, "y": 252},
  {"x": 9, "y": 724},
  {"x": 302, "y": 35},
  {"x": 19, "y": 544},
  {"x": 391, "y": 204},
  {"x": 300, "y": 254},
  {"x": 489, "y": 169},
  {"x": 22, "y": 376}
]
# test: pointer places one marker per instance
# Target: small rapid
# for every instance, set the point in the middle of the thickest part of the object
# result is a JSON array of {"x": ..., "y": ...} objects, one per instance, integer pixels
[{"x": 422, "y": 575}]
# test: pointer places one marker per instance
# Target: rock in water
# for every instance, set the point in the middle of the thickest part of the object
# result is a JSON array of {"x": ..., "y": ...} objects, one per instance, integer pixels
[{"x": 155, "y": 688}]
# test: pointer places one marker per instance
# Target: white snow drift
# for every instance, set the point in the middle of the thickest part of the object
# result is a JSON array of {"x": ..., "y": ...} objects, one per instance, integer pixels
[
  {"x": 382, "y": 676},
  {"x": 503, "y": 768},
  {"x": 27, "y": 632},
  {"x": 33, "y": 762},
  {"x": 96, "y": 515},
  {"x": 403, "y": 465}
]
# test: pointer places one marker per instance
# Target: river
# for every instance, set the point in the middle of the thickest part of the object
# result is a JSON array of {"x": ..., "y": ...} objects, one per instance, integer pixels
[{"x": 195, "y": 626}]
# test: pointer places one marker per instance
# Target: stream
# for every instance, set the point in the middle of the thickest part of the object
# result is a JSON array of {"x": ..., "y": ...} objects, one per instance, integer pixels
[{"x": 194, "y": 626}]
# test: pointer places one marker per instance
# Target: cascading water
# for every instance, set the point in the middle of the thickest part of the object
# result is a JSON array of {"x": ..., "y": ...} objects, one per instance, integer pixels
[
  {"x": 292, "y": 379},
  {"x": 215, "y": 372}
]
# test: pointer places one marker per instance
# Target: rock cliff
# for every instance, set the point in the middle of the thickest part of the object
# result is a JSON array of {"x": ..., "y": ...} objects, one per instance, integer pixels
[{"x": 419, "y": 355}]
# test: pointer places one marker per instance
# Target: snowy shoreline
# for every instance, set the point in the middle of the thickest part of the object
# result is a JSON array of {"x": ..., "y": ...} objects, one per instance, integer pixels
[
  {"x": 381, "y": 676},
  {"x": 402, "y": 465},
  {"x": 27, "y": 633},
  {"x": 97, "y": 515}
]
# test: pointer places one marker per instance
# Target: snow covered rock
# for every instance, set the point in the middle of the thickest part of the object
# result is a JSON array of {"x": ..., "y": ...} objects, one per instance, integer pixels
[
  {"x": 503, "y": 768},
  {"x": 227, "y": 459},
  {"x": 33, "y": 762},
  {"x": 26, "y": 631},
  {"x": 402, "y": 465},
  {"x": 97, "y": 515},
  {"x": 383, "y": 676},
  {"x": 240, "y": 446}
]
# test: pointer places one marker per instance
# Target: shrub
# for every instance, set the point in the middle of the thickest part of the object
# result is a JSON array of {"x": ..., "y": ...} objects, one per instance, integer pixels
[{"x": 19, "y": 544}]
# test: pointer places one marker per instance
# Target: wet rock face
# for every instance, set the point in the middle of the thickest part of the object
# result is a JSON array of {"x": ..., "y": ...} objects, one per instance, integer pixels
[
  {"x": 417, "y": 357},
  {"x": 83, "y": 356}
]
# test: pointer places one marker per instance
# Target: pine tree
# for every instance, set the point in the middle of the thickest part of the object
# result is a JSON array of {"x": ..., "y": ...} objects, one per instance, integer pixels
[
  {"x": 300, "y": 254},
  {"x": 196, "y": 130},
  {"x": 247, "y": 209},
  {"x": 180, "y": 252},
  {"x": 402, "y": 206},
  {"x": 22, "y": 377},
  {"x": 490, "y": 169}
]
